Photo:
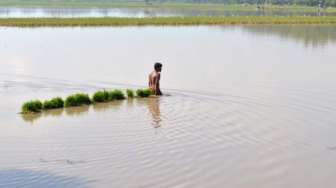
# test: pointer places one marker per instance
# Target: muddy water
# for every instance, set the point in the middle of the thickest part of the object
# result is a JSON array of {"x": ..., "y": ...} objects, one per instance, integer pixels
[{"x": 250, "y": 106}]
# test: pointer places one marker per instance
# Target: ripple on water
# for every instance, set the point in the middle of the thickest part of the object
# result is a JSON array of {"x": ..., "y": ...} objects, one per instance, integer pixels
[
  {"x": 187, "y": 138},
  {"x": 37, "y": 179}
]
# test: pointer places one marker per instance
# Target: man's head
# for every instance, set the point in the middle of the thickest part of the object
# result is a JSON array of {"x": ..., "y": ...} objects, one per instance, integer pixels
[{"x": 158, "y": 67}]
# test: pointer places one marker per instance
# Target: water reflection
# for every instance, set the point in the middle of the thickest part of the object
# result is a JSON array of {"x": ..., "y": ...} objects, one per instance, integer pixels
[
  {"x": 143, "y": 12},
  {"x": 73, "y": 111},
  {"x": 38, "y": 179},
  {"x": 77, "y": 111},
  {"x": 154, "y": 109},
  {"x": 152, "y": 103},
  {"x": 309, "y": 35},
  {"x": 31, "y": 118},
  {"x": 152, "y": 106},
  {"x": 54, "y": 113},
  {"x": 101, "y": 107}
]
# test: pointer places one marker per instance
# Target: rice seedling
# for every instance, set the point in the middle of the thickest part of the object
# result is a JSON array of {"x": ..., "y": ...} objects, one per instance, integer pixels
[
  {"x": 116, "y": 95},
  {"x": 130, "y": 93},
  {"x": 56, "y": 102},
  {"x": 33, "y": 106},
  {"x": 101, "y": 96},
  {"x": 143, "y": 93},
  {"x": 80, "y": 99},
  {"x": 77, "y": 100}
]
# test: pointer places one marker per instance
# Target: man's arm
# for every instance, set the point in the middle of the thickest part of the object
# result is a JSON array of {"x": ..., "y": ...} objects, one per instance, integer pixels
[
  {"x": 157, "y": 84},
  {"x": 149, "y": 81}
]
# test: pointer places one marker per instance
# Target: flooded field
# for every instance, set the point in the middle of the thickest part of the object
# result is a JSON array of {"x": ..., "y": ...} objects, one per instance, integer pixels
[
  {"x": 12, "y": 12},
  {"x": 248, "y": 106}
]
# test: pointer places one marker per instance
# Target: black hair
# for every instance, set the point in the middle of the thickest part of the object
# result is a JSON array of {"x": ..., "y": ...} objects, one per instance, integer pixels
[{"x": 157, "y": 65}]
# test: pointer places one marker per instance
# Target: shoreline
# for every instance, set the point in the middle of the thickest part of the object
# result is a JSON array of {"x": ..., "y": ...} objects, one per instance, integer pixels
[{"x": 164, "y": 21}]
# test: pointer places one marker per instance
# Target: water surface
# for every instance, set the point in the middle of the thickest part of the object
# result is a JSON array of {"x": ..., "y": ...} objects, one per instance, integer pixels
[
  {"x": 249, "y": 106},
  {"x": 16, "y": 12}
]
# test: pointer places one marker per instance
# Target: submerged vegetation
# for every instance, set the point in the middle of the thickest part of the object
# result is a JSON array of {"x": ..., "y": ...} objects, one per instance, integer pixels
[
  {"x": 80, "y": 99},
  {"x": 160, "y": 21},
  {"x": 32, "y": 106}
]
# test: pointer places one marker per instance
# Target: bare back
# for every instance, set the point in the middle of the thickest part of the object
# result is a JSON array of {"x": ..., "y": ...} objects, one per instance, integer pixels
[{"x": 154, "y": 82}]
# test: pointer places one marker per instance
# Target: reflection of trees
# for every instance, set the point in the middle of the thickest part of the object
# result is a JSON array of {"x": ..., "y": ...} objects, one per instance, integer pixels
[{"x": 309, "y": 35}]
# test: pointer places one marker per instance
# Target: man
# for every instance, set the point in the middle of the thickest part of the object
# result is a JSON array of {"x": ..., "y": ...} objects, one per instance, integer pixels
[{"x": 154, "y": 79}]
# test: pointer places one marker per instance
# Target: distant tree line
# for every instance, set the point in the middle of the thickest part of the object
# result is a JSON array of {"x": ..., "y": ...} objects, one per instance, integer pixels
[{"x": 320, "y": 3}]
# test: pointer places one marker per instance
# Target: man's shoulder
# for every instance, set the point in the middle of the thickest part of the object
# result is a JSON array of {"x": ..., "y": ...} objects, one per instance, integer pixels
[{"x": 154, "y": 73}]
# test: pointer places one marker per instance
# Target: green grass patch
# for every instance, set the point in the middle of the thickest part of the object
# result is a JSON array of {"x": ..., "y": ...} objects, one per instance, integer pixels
[
  {"x": 54, "y": 103},
  {"x": 130, "y": 93},
  {"x": 78, "y": 99},
  {"x": 116, "y": 95},
  {"x": 33, "y": 106},
  {"x": 101, "y": 96},
  {"x": 162, "y": 21},
  {"x": 143, "y": 93}
]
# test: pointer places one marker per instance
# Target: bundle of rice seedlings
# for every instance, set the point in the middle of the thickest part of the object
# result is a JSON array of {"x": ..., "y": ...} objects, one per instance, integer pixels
[
  {"x": 130, "y": 93},
  {"x": 32, "y": 107},
  {"x": 77, "y": 100},
  {"x": 100, "y": 96},
  {"x": 54, "y": 103},
  {"x": 116, "y": 95},
  {"x": 143, "y": 93}
]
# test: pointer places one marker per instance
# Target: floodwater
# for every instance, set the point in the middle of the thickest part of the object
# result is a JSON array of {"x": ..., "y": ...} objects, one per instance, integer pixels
[
  {"x": 16, "y": 12},
  {"x": 248, "y": 106}
]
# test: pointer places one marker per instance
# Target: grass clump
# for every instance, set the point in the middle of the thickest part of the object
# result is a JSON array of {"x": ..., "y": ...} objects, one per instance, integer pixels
[
  {"x": 32, "y": 107},
  {"x": 130, "y": 93},
  {"x": 54, "y": 103},
  {"x": 143, "y": 93},
  {"x": 101, "y": 96},
  {"x": 116, "y": 95},
  {"x": 77, "y": 100}
]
